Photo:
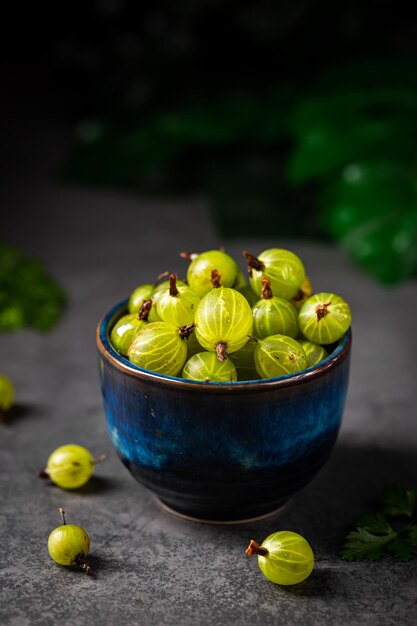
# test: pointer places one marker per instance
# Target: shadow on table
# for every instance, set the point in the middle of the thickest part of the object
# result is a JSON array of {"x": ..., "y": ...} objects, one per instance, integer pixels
[
  {"x": 21, "y": 412},
  {"x": 350, "y": 484}
]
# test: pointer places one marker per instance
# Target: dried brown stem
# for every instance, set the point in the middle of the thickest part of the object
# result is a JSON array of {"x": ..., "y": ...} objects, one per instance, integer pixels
[
  {"x": 266, "y": 292},
  {"x": 221, "y": 351},
  {"x": 43, "y": 473},
  {"x": 145, "y": 309},
  {"x": 215, "y": 279},
  {"x": 82, "y": 562},
  {"x": 321, "y": 310},
  {"x": 255, "y": 548},
  {"x": 253, "y": 263},
  {"x": 185, "y": 331},
  {"x": 299, "y": 295},
  {"x": 100, "y": 459},
  {"x": 188, "y": 256},
  {"x": 173, "y": 291},
  {"x": 62, "y": 513},
  {"x": 160, "y": 277}
]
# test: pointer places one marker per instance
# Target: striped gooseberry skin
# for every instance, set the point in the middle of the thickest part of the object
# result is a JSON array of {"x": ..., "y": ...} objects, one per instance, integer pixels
[
  {"x": 223, "y": 316},
  {"x": 137, "y": 297},
  {"x": 275, "y": 316},
  {"x": 324, "y": 318},
  {"x": 70, "y": 466},
  {"x": 199, "y": 273},
  {"x": 284, "y": 270},
  {"x": 279, "y": 355},
  {"x": 206, "y": 366},
  {"x": 124, "y": 331},
  {"x": 67, "y": 542},
  {"x": 314, "y": 353},
  {"x": 178, "y": 310},
  {"x": 290, "y": 559},
  {"x": 160, "y": 348}
]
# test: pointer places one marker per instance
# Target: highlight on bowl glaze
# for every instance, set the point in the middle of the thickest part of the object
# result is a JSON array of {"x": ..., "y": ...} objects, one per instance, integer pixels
[{"x": 222, "y": 451}]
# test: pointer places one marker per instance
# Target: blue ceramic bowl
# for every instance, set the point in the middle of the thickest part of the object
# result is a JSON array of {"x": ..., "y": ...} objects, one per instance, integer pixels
[{"x": 222, "y": 451}]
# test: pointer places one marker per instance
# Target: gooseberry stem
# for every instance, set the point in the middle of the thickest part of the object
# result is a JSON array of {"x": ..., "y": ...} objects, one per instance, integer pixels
[
  {"x": 160, "y": 277},
  {"x": 145, "y": 309},
  {"x": 188, "y": 256},
  {"x": 215, "y": 279},
  {"x": 321, "y": 310},
  {"x": 185, "y": 331},
  {"x": 62, "y": 513},
  {"x": 221, "y": 351},
  {"x": 173, "y": 291},
  {"x": 255, "y": 548},
  {"x": 266, "y": 292},
  {"x": 43, "y": 473},
  {"x": 100, "y": 459},
  {"x": 253, "y": 338},
  {"x": 253, "y": 263},
  {"x": 82, "y": 562}
]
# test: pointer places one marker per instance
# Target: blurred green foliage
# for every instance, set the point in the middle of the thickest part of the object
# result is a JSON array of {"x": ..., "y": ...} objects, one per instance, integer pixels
[
  {"x": 333, "y": 159},
  {"x": 357, "y": 139},
  {"x": 28, "y": 295}
]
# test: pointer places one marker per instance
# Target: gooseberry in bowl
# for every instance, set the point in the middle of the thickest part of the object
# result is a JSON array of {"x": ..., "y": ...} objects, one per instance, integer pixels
[{"x": 220, "y": 451}]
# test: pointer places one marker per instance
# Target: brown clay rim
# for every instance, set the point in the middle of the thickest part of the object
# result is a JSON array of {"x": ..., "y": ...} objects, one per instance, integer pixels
[{"x": 339, "y": 354}]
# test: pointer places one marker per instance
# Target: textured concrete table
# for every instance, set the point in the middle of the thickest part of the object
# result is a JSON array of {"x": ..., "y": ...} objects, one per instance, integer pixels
[{"x": 152, "y": 568}]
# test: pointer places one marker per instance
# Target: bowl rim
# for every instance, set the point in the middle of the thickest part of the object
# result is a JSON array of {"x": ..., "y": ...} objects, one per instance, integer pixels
[{"x": 339, "y": 354}]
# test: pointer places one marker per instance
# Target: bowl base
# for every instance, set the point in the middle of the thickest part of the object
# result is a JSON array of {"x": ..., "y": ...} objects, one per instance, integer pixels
[{"x": 228, "y": 522}]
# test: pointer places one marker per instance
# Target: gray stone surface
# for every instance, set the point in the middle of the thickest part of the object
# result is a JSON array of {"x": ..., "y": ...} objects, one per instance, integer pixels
[{"x": 152, "y": 568}]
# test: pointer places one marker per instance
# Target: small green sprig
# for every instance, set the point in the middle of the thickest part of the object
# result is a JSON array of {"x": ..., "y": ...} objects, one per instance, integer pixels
[
  {"x": 392, "y": 530},
  {"x": 29, "y": 296}
]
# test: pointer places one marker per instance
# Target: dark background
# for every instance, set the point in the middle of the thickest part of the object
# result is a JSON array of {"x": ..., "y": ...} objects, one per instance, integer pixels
[{"x": 122, "y": 61}]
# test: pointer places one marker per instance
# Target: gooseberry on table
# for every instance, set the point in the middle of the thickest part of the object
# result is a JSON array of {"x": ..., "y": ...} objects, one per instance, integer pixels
[
  {"x": 285, "y": 557},
  {"x": 7, "y": 395},
  {"x": 70, "y": 466},
  {"x": 69, "y": 544}
]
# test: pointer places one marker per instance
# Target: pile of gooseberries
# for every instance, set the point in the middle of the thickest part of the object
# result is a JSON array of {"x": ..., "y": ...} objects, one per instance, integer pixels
[{"x": 215, "y": 327}]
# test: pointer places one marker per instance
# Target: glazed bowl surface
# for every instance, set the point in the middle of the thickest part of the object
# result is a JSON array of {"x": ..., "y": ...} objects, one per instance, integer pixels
[{"x": 222, "y": 451}]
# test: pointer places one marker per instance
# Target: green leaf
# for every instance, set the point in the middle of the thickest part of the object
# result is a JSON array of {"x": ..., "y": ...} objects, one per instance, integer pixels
[
  {"x": 412, "y": 535},
  {"x": 361, "y": 545},
  {"x": 375, "y": 523},
  {"x": 402, "y": 548},
  {"x": 397, "y": 501},
  {"x": 28, "y": 295}
]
